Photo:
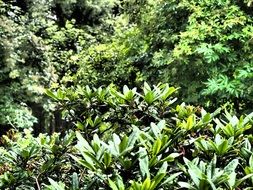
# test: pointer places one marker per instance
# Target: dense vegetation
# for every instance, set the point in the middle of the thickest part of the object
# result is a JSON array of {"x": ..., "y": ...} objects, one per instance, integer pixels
[{"x": 84, "y": 69}]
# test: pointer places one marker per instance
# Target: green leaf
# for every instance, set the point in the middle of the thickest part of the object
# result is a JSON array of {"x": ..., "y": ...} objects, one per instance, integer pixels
[
  {"x": 60, "y": 94},
  {"x": 159, "y": 176},
  {"x": 167, "y": 92},
  {"x": 239, "y": 181},
  {"x": 117, "y": 94},
  {"x": 75, "y": 181},
  {"x": 201, "y": 144},
  {"x": 56, "y": 185},
  {"x": 51, "y": 94},
  {"x": 155, "y": 129},
  {"x": 206, "y": 118},
  {"x": 223, "y": 147},
  {"x": 125, "y": 89},
  {"x": 185, "y": 185},
  {"x": 80, "y": 126},
  {"x": 171, "y": 157},
  {"x": 157, "y": 146},
  {"x": 146, "y": 88},
  {"x": 133, "y": 137},
  {"x": 144, "y": 162},
  {"x": 149, "y": 97},
  {"x": 84, "y": 163},
  {"x": 123, "y": 144},
  {"x": 119, "y": 182},
  {"x": 129, "y": 94},
  {"x": 116, "y": 143},
  {"x": 94, "y": 159},
  {"x": 146, "y": 184},
  {"x": 228, "y": 130},
  {"x": 82, "y": 144},
  {"x": 135, "y": 186},
  {"x": 190, "y": 122},
  {"x": 107, "y": 159},
  {"x": 231, "y": 166},
  {"x": 88, "y": 92},
  {"x": 112, "y": 185},
  {"x": 251, "y": 161},
  {"x": 195, "y": 173}
]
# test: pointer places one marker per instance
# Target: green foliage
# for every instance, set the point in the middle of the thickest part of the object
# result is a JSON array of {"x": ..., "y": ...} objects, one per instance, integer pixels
[
  {"x": 24, "y": 69},
  {"x": 202, "y": 46},
  {"x": 39, "y": 47},
  {"x": 98, "y": 110},
  {"x": 184, "y": 148}
]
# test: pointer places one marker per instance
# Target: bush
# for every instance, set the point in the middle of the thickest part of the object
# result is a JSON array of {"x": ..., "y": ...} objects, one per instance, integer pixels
[{"x": 131, "y": 140}]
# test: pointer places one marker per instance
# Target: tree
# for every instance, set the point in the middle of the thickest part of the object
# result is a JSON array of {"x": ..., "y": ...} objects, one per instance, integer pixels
[{"x": 204, "y": 47}]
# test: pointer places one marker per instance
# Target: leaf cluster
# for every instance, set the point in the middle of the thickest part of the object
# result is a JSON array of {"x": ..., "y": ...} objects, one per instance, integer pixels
[{"x": 187, "y": 148}]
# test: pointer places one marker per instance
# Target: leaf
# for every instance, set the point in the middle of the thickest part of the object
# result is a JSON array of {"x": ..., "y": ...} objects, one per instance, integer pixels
[
  {"x": 135, "y": 186},
  {"x": 144, "y": 162},
  {"x": 48, "y": 164},
  {"x": 167, "y": 92},
  {"x": 190, "y": 122},
  {"x": 157, "y": 146},
  {"x": 123, "y": 144},
  {"x": 149, "y": 97},
  {"x": 117, "y": 94},
  {"x": 146, "y": 184},
  {"x": 88, "y": 92},
  {"x": 84, "y": 163},
  {"x": 231, "y": 166},
  {"x": 79, "y": 125},
  {"x": 251, "y": 161},
  {"x": 115, "y": 145},
  {"x": 82, "y": 144},
  {"x": 107, "y": 159},
  {"x": 228, "y": 130},
  {"x": 51, "y": 94},
  {"x": 146, "y": 88},
  {"x": 56, "y": 185},
  {"x": 170, "y": 158},
  {"x": 155, "y": 129},
  {"x": 75, "y": 181},
  {"x": 247, "y": 118},
  {"x": 212, "y": 184},
  {"x": 133, "y": 137},
  {"x": 97, "y": 120},
  {"x": 125, "y": 89},
  {"x": 60, "y": 94},
  {"x": 159, "y": 176},
  {"x": 239, "y": 181},
  {"x": 206, "y": 118},
  {"x": 201, "y": 144},
  {"x": 194, "y": 172},
  {"x": 128, "y": 94},
  {"x": 112, "y": 185},
  {"x": 94, "y": 159},
  {"x": 223, "y": 147},
  {"x": 120, "y": 182},
  {"x": 161, "y": 125},
  {"x": 185, "y": 185},
  {"x": 163, "y": 168}
]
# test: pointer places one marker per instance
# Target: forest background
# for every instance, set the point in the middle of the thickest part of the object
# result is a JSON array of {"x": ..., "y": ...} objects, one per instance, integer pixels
[{"x": 203, "y": 47}]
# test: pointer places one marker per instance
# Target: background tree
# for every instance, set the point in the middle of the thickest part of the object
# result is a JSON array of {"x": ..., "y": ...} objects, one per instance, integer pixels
[{"x": 203, "y": 47}]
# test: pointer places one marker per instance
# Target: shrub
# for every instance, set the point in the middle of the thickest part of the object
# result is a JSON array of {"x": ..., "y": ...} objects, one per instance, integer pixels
[{"x": 164, "y": 146}]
